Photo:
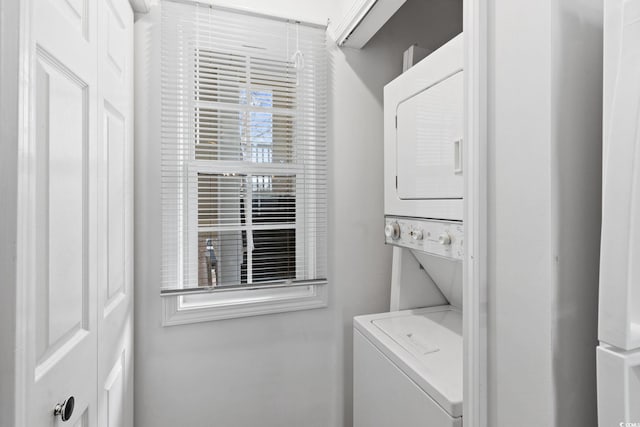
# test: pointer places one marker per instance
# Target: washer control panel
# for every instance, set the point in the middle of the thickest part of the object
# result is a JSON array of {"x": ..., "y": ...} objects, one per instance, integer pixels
[{"x": 444, "y": 238}]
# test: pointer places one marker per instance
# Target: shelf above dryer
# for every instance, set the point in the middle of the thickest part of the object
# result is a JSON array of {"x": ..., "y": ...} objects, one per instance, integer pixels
[{"x": 363, "y": 19}]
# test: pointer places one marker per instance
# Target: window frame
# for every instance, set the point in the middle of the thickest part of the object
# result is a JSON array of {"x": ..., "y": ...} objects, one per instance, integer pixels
[
  {"x": 184, "y": 309},
  {"x": 177, "y": 310}
]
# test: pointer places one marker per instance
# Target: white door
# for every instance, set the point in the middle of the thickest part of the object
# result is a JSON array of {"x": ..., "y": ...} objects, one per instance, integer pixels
[
  {"x": 59, "y": 255},
  {"x": 428, "y": 142},
  {"x": 115, "y": 167},
  {"x": 68, "y": 309}
]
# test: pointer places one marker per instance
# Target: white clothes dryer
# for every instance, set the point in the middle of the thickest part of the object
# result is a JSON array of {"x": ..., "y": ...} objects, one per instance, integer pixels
[{"x": 423, "y": 137}]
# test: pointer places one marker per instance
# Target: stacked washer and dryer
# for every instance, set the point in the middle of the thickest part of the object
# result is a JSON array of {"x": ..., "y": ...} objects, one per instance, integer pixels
[{"x": 408, "y": 362}]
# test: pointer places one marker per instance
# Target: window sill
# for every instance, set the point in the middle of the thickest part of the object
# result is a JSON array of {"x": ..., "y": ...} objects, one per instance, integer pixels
[{"x": 181, "y": 310}]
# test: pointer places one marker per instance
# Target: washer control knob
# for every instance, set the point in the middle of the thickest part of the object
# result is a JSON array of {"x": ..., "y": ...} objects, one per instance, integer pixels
[
  {"x": 444, "y": 239},
  {"x": 416, "y": 234},
  {"x": 392, "y": 230}
]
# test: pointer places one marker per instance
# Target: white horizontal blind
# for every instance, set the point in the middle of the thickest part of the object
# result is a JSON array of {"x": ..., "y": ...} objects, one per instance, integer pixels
[{"x": 244, "y": 194}]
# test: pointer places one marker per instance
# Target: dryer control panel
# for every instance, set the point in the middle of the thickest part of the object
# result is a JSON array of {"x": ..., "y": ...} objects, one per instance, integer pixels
[{"x": 443, "y": 238}]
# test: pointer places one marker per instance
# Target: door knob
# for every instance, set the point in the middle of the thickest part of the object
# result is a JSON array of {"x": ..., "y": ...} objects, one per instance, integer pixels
[{"x": 65, "y": 409}]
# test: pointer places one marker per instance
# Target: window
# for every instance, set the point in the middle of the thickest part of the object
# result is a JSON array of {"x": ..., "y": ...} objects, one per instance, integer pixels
[{"x": 243, "y": 164}]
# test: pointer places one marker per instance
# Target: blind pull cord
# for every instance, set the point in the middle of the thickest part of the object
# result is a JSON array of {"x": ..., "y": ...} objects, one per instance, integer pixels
[{"x": 298, "y": 56}]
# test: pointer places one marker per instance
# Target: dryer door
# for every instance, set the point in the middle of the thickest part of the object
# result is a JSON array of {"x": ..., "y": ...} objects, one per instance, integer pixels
[{"x": 429, "y": 142}]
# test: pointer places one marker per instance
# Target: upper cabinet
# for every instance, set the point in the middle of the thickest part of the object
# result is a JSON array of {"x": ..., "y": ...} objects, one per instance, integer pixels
[
  {"x": 140, "y": 6},
  {"x": 429, "y": 24},
  {"x": 362, "y": 20}
]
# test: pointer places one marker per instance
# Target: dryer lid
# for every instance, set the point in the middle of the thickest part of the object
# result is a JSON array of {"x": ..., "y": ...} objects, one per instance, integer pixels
[{"x": 431, "y": 343}]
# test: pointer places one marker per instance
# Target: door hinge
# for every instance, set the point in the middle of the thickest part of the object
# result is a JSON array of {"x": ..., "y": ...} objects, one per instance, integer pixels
[
  {"x": 396, "y": 182},
  {"x": 396, "y": 122}
]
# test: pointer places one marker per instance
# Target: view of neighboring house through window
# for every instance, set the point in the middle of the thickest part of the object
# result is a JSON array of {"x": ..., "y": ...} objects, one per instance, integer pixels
[{"x": 246, "y": 217}]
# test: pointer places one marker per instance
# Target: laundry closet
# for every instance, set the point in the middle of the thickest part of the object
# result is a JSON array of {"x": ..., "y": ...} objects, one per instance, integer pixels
[{"x": 416, "y": 348}]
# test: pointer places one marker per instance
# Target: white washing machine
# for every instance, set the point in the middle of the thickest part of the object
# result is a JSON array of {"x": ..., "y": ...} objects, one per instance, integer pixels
[{"x": 408, "y": 368}]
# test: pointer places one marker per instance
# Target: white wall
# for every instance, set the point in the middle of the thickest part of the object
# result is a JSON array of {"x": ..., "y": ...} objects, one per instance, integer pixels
[
  {"x": 291, "y": 369},
  {"x": 545, "y": 82},
  {"x": 269, "y": 370},
  {"x": 277, "y": 370},
  {"x": 519, "y": 214},
  {"x": 9, "y": 37}
]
